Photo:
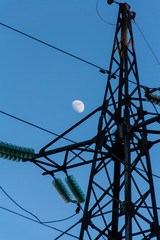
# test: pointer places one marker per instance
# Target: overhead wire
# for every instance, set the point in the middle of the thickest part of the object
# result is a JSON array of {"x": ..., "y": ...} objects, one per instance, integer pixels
[
  {"x": 18, "y": 204},
  {"x": 43, "y": 129},
  {"x": 154, "y": 175},
  {"x": 33, "y": 215},
  {"x": 44, "y": 223},
  {"x": 99, "y": 15},
  {"x": 78, "y": 58},
  {"x": 19, "y": 119},
  {"x": 145, "y": 39},
  {"x": 33, "y": 220},
  {"x": 60, "y": 220},
  {"x": 94, "y": 65},
  {"x": 34, "y": 125},
  {"x": 52, "y": 46},
  {"x": 54, "y": 221},
  {"x": 154, "y": 107}
]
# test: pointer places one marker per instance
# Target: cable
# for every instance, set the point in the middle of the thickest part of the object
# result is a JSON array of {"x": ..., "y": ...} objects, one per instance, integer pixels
[
  {"x": 112, "y": 24},
  {"x": 157, "y": 208},
  {"x": 33, "y": 220},
  {"x": 18, "y": 204},
  {"x": 36, "y": 126},
  {"x": 51, "y": 46},
  {"x": 154, "y": 175},
  {"x": 61, "y": 220},
  {"x": 43, "y": 129},
  {"x": 53, "y": 221},
  {"x": 154, "y": 107},
  {"x": 147, "y": 43}
]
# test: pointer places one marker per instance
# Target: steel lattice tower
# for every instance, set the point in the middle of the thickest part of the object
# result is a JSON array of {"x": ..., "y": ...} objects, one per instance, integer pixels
[{"x": 118, "y": 154}]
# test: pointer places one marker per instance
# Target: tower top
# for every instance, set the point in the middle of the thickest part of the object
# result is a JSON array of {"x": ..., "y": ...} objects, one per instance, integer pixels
[
  {"x": 110, "y": 1},
  {"x": 133, "y": 14}
]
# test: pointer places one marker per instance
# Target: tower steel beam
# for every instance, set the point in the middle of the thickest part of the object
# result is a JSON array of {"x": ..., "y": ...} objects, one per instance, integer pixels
[{"x": 120, "y": 200}]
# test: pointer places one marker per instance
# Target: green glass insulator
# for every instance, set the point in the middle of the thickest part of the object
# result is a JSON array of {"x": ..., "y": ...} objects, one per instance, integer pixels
[
  {"x": 1, "y": 146},
  {"x": 5, "y": 156},
  {"x": 15, "y": 153},
  {"x": 6, "y": 148},
  {"x": 75, "y": 189},
  {"x": 11, "y": 152},
  {"x": 31, "y": 153},
  {"x": 25, "y": 153},
  {"x": 2, "y": 149},
  {"x": 20, "y": 152},
  {"x": 62, "y": 190}
]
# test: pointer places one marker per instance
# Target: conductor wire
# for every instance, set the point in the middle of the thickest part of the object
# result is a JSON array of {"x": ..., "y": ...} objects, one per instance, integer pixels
[
  {"x": 34, "y": 125},
  {"x": 19, "y": 119},
  {"x": 33, "y": 220},
  {"x": 18, "y": 204},
  {"x": 147, "y": 43},
  {"x": 42, "y": 222},
  {"x": 99, "y": 15},
  {"x": 51, "y": 46}
]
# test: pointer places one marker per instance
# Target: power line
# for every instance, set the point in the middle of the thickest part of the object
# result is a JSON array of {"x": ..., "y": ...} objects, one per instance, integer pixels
[
  {"x": 99, "y": 15},
  {"x": 147, "y": 43},
  {"x": 37, "y": 219},
  {"x": 54, "y": 47},
  {"x": 33, "y": 220},
  {"x": 34, "y": 125},
  {"x": 60, "y": 220},
  {"x": 154, "y": 175},
  {"x": 18, "y": 204},
  {"x": 43, "y": 129}
]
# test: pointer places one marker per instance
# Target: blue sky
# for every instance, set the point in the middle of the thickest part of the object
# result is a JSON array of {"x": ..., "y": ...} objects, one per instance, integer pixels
[{"x": 38, "y": 84}]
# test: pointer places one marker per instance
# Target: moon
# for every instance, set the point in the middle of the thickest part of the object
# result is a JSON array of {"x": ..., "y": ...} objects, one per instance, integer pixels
[{"x": 78, "y": 106}]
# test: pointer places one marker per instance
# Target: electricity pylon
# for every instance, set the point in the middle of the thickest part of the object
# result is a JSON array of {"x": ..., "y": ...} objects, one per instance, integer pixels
[{"x": 120, "y": 201}]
